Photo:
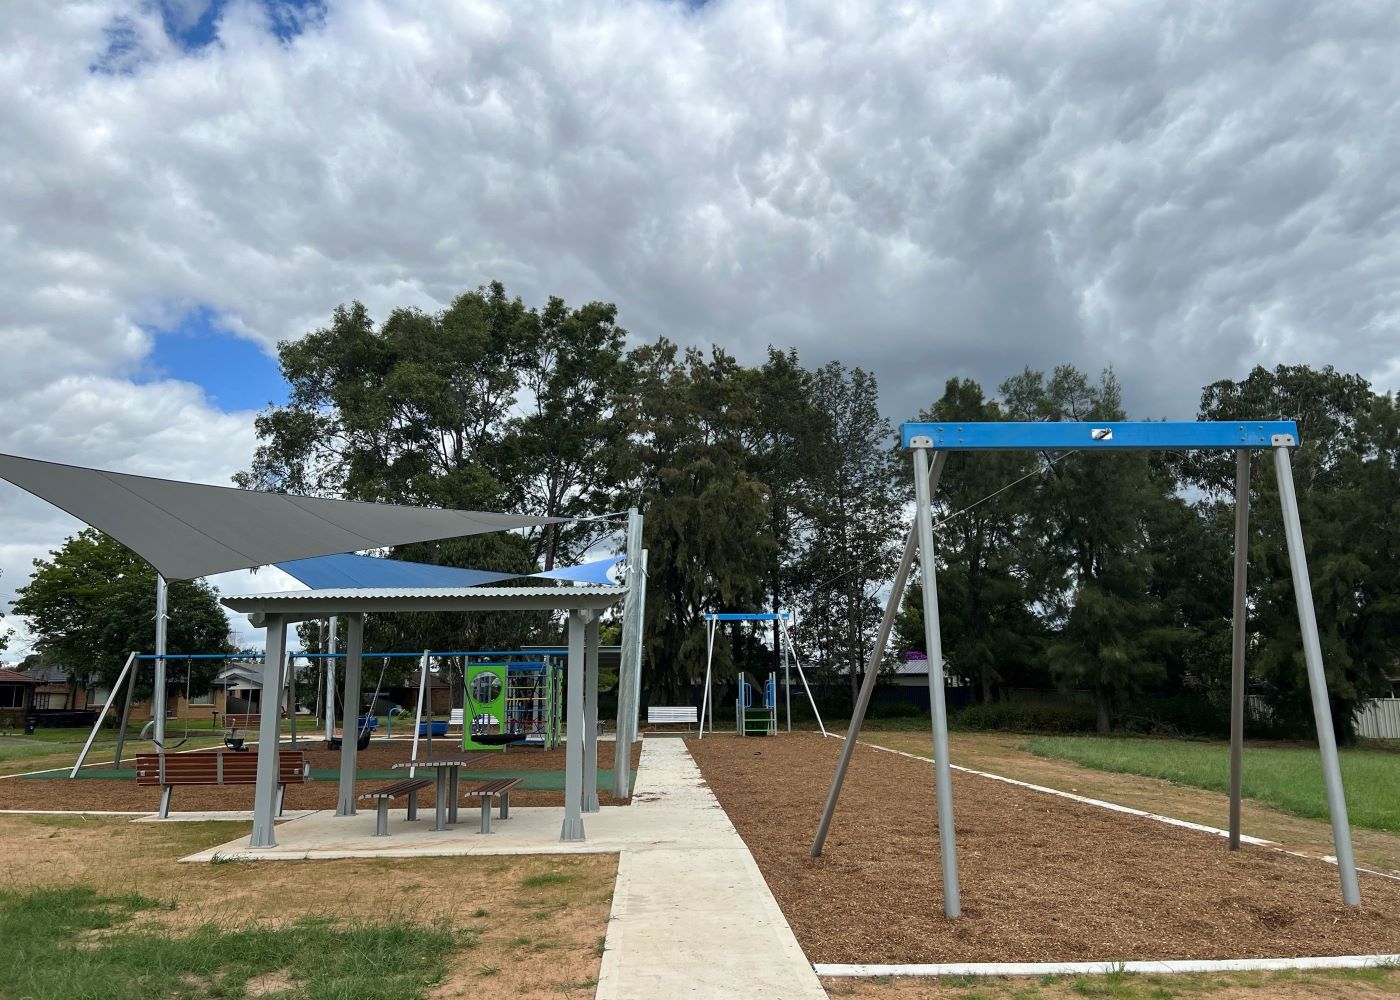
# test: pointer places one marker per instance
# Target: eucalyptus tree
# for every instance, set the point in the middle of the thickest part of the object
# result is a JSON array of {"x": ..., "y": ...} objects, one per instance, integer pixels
[
  {"x": 1347, "y": 475},
  {"x": 690, "y": 421}
]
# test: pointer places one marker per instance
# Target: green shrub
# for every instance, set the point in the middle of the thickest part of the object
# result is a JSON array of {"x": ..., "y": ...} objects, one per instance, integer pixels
[{"x": 1026, "y": 717}]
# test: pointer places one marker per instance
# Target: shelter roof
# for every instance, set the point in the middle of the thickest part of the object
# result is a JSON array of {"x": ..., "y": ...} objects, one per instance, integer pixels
[{"x": 306, "y": 604}]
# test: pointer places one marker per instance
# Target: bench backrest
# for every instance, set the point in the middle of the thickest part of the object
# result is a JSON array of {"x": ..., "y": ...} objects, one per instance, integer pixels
[
  {"x": 673, "y": 714},
  {"x": 456, "y": 718},
  {"x": 218, "y": 768},
  {"x": 237, "y": 720}
]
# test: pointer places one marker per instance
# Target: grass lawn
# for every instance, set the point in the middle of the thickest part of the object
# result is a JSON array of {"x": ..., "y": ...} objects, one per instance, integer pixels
[
  {"x": 1287, "y": 778},
  {"x": 100, "y": 908}
]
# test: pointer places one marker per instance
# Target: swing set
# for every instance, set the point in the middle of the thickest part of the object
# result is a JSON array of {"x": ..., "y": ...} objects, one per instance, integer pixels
[{"x": 764, "y": 717}]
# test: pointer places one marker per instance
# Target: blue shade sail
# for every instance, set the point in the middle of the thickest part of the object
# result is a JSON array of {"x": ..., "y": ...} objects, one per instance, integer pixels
[{"x": 349, "y": 571}]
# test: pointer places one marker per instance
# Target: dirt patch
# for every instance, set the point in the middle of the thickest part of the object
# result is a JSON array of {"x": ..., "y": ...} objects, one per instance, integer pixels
[
  {"x": 531, "y": 926},
  {"x": 122, "y": 794},
  {"x": 1042, "y": 879}
]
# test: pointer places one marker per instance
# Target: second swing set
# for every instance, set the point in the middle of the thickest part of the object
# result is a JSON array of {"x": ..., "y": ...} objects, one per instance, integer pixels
[{"x": 752, "y": 719}]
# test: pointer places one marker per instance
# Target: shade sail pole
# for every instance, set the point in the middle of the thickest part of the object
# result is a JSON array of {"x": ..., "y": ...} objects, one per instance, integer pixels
[
  {"x": 1317, "y": 677},
  {"x": 572, "y": 828},
  {"x": 158, "y": 695},
  {"x": 627, "y": 677},
  {"x": 590, "y": 714},
  {"x": 350, "y": 707},
  {"x": 1238, "y": 637},
  {"x": 872, "y": 668}
]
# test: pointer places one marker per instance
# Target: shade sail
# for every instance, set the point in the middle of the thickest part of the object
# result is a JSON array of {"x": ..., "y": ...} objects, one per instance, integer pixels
[
  {"x": 187, "y": 530},
  {"x": 347, "y": 571},
  {"x": 341, "y": 571}
]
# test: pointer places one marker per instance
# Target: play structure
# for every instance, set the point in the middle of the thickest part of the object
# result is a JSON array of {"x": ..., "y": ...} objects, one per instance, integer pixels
[
  {"x": 767, "y": 708},
  {"x": 931, "y": 443},
  {"x": 756, "y": 717},
  {"x": 513, "y": 698}
]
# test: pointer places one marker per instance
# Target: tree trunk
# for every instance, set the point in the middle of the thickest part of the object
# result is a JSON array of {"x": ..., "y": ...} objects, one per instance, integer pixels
[{"x": 1103, "y": 707}]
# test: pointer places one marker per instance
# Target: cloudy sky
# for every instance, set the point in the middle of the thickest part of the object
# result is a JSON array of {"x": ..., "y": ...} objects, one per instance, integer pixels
[{"x": 1178, "y": 189}]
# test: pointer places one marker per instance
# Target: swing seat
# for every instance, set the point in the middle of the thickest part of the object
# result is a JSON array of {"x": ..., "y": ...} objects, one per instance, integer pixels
[
  {"x": 498, "y": 739},
  {"x": 362, "y": 743}
]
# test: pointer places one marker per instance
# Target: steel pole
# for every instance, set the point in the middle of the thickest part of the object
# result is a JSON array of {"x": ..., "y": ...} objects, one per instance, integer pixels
[
  {"x": 628, "y": 694},
  {"x": 1239, "y": 634},
  {"x": 590, "y": 714},
  {"x": 872, "y": 669},
  {"x": 705, "y": 695},
  {"x": 126, "y": 716},
  {"x": 158, "y": 694},
  {"x": 1317, "y": 677},
  {"x": 933, "y": 638},
  {"x": 573, "y": 742},
  {"x": 787, "y": 676},
  {"x": 130, "y": 665},
  {"x": 350, "y": 706},
  {"x": 641, "y": 626},
  {"x": 265, "y": 791},
  {"x": 330, "y": 681}
]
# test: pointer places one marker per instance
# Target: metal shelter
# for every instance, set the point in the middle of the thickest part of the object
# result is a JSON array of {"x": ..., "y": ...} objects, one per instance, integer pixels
[
  {"x": 931, "y": 442},
  {"x": 275, "y": 612},
  {"x": 781, "y": 637}
]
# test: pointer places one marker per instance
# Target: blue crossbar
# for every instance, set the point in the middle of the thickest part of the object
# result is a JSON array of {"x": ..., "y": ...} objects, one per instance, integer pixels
[
  {"x": 1064, "y": 435},
  {"x": 763, "y": 616}
]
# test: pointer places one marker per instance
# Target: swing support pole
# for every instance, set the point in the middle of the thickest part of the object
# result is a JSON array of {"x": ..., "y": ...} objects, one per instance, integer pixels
[{"x": 111, "y": 697}]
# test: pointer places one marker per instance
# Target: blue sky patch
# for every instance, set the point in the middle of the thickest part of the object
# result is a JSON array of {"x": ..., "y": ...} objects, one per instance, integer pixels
[{"x": 235, "y": 373}]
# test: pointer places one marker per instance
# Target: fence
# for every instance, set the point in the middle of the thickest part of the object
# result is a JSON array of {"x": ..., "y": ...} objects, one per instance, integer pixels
[{"x": 1379, "y": 719}]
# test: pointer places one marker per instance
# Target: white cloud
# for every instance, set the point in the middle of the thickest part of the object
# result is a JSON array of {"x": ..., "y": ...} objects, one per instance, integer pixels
[{"x": 1179, "y": 189}]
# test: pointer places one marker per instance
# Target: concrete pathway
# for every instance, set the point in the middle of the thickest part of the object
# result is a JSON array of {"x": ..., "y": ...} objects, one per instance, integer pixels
[{"x": 691, "y": 914}]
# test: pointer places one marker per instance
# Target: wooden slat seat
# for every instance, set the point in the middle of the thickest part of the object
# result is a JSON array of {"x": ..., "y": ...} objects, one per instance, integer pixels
[
  {"x": 408, "y": 786},
  {"x": 499, "y": 788},
  {"x": 216, "y": 768}
]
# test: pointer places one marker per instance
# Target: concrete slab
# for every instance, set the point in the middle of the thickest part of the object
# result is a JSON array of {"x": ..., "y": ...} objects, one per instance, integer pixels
[{"x": 691, "y": 914}]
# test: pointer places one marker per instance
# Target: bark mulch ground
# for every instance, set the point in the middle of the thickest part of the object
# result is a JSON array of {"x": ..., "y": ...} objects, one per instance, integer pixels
[
  {"x": 1042, "y": 879},
  {"x": 60, "y": 792}
]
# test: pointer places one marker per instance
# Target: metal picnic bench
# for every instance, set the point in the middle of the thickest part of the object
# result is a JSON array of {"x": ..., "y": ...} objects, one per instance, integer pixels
[
  {"x": 216, "y": 768},
  {"x": 409, "y": 787}
]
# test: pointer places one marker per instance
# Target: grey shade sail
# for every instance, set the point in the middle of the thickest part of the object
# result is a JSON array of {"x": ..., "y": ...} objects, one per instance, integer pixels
[{"x": 187, "y": 530}]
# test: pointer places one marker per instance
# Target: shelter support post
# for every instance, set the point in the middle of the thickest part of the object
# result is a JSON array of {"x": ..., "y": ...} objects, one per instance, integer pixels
[
  {"x": 158, "y": 694},
  {"x": 265, "y": 790},
  {"x": 1317, "y": 677},
  {"x": 573, "y": 746},
  {"x": 126, "y": 717},
  {"x": 111, "y": 698},
  {"x": 350, "y": 707},
  {"x": 590, "y": 712},
  {"x": 872, "y": 668},
  {"x": 943, "y": 774},
  {"x": 1239, "y": 635},
  {"x": 330, "y": 679}
]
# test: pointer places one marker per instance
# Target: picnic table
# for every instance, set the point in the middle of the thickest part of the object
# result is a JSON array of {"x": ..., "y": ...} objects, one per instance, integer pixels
[{"x": 448, "y": 769}]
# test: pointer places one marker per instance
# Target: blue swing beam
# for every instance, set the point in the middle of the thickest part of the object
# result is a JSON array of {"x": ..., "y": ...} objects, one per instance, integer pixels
[{"x": 1243, "y": 437}]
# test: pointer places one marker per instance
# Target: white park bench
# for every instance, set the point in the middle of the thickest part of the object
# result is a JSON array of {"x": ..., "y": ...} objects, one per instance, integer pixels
[
  {"x": 664, "y": 715},
  {"x": 454, "y": 720}
]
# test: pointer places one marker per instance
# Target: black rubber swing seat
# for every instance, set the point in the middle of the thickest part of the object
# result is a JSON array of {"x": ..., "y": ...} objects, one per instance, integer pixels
[
  {"x": 333, "y": 742},
  {"x": 499, "y": 739}
]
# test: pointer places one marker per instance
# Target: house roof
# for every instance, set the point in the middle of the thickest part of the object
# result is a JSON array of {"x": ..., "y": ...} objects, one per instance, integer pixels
[{"x": 15, "y": 677}]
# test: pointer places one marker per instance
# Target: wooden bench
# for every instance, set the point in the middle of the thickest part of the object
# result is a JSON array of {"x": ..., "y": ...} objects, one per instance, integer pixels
[
  {"x": 501, "y": 788},
  {"x": 409, "y": 787},
  {"x": 664, "y": 715},
  {"x": 216, "y": 768}
]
